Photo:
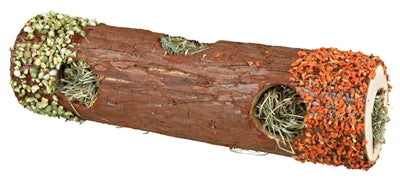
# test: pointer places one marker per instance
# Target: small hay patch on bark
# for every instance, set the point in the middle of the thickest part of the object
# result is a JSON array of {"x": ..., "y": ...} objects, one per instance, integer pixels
[{"x": 181, "y": 46}]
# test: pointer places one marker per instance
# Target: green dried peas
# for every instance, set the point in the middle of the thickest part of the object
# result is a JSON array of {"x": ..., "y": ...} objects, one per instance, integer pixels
[{"x": 42, "y": 62}]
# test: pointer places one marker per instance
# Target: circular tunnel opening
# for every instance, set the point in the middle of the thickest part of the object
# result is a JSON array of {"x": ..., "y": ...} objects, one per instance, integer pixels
[
  {"x": 280, "y": 111},
  {"x": 379, "y": 118},
  {"x": 376, "y": 114},
  {"x": 78, "y": 82}
]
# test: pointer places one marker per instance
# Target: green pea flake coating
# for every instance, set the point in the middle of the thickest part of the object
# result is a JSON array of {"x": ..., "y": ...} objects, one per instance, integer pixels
[{"x": 40, "y": 61}]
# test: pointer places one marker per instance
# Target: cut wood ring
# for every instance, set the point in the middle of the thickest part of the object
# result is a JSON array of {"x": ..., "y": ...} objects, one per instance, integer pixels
[{"x": 376, "y": 84}]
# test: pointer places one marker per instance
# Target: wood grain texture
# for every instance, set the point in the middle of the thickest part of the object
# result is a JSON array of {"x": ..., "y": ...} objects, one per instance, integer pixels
[{"x": 199, "y": 97}]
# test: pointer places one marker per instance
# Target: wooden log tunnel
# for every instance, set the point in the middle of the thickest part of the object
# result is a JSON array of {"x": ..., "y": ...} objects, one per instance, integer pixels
[{"x": 324, "y": 105}]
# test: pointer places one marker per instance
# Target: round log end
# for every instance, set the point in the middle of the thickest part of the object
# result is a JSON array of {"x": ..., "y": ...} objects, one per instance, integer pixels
[
  {"x": 346, "y": 97},
  {"x": 46, "y": 74},
  {"x": 377, "y": 86}
]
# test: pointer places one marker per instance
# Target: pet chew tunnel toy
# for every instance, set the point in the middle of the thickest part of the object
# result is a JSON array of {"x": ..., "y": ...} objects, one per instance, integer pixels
[{"x": 323, "y": 105}]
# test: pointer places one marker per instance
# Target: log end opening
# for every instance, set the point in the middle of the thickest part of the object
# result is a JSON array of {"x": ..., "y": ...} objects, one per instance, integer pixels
[
  {"x": 376, "y": 114},
  {"x": 45, "y": 66},
  {"x": 280, "y": 112}
]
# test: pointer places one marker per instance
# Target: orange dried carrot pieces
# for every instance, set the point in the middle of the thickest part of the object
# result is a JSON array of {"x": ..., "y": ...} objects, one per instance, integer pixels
[{"x": 338, "y": 81}]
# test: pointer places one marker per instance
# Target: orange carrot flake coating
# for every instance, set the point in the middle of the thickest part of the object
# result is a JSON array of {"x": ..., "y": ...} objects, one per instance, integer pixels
[{"x": 333, "y": 84}]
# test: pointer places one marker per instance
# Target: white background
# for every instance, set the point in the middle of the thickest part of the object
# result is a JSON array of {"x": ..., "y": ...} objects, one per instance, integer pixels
[{"x": 40, "y": 149}]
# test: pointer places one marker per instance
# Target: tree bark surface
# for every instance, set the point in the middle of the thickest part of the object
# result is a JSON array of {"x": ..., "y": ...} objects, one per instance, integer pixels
[{"x": 208, "y": 96}]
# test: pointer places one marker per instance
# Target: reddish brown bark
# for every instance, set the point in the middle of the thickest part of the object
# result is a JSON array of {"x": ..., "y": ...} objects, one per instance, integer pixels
[{"x": 199, "y": 97}]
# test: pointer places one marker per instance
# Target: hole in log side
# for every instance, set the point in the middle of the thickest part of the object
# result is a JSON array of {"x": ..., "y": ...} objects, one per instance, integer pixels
[
  {"x": 279, "y": 112},
  {"x": 196, "y": 96}
]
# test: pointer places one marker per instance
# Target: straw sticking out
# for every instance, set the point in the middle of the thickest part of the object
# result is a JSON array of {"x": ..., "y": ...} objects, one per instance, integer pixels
[
  {"x": 281, "y": 111},
  {"x": 79, "y": 83},
  {"x": 181, "y": 46},
  {"x": 379, "y": 118}
]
